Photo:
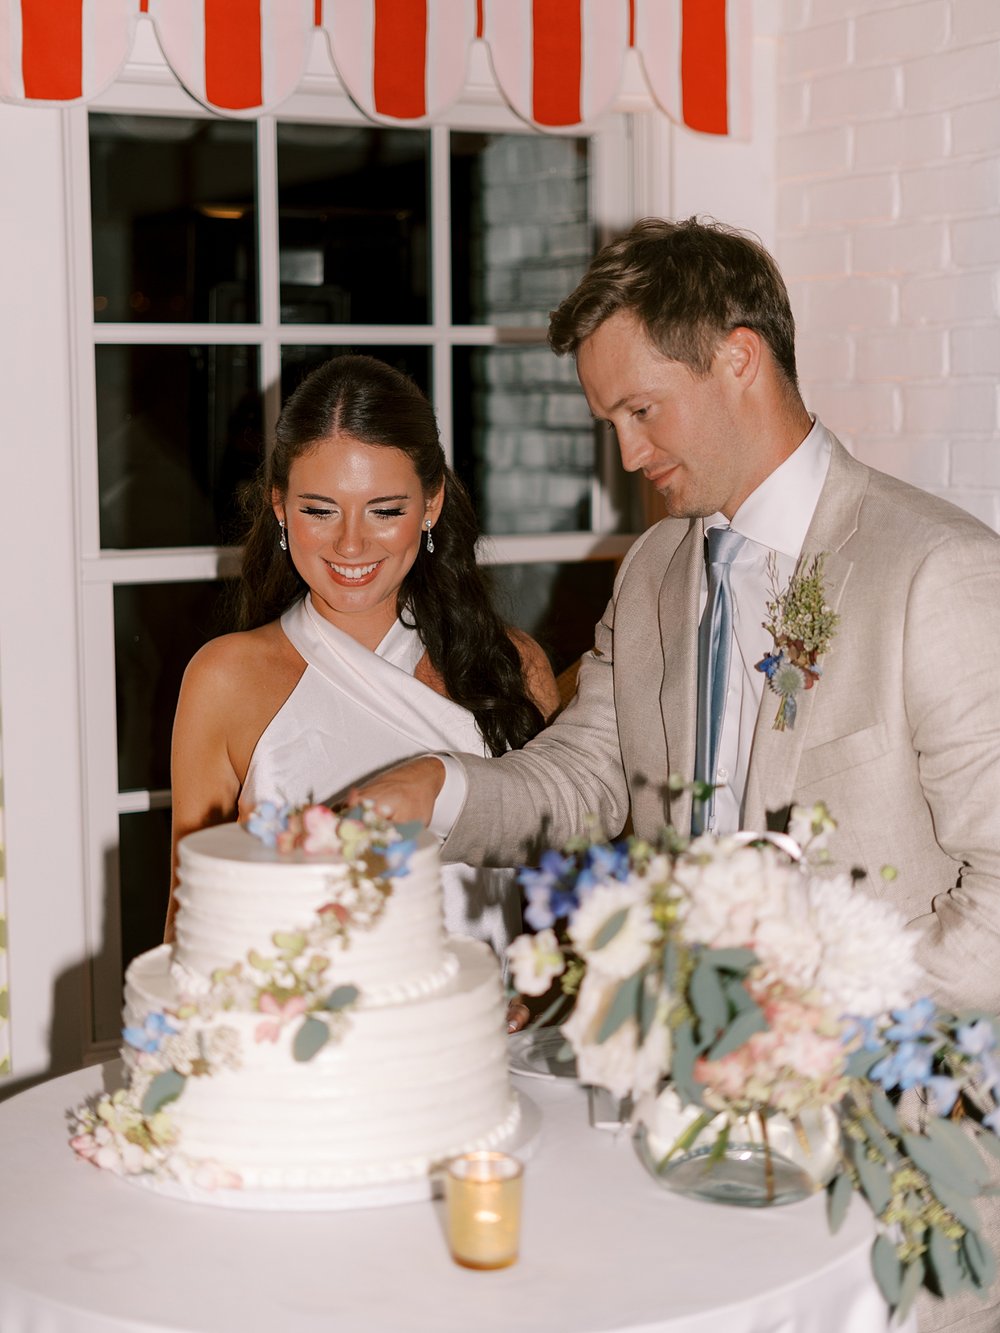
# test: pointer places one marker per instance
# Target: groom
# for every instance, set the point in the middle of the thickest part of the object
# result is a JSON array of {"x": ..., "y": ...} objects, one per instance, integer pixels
[{"x": 684, "y": 342}]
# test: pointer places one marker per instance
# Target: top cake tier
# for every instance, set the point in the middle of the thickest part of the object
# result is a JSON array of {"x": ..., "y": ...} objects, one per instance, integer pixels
[{"x": 235, "y": 893}]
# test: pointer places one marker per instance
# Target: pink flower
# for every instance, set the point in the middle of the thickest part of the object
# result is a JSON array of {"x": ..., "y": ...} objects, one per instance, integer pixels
[
  {"x": 282, "y": 1014},
  {"x": 320, "y": 829}
]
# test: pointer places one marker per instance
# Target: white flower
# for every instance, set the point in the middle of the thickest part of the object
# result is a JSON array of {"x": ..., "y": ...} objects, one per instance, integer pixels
[
  {"x": 868, "y": 964},
  {"x": 608, "y": 1064},
  {"x": 811, "y": 827},
  {"x": 732, "y": 889},
  {"x": 536, "y": 960},
  {"x": 628, "y": 948}
]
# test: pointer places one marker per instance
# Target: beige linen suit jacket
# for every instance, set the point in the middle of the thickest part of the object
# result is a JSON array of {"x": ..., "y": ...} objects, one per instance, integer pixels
[{"x": 901, "y": 737}]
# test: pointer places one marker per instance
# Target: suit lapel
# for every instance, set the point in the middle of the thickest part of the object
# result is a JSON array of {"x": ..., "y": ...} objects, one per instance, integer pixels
[
  {"x": 679, "y": 599},
  {"x": 772, "y": 775}
]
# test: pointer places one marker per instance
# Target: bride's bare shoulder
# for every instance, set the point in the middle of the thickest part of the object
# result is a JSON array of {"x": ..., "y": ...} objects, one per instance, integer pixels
[{"x": 252, "y": 657}]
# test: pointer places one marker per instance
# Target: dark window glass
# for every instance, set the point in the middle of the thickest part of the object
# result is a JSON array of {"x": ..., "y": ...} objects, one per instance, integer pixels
[
  {"x": 298, "y": 362},
  {"x": 173, "y": 219},
  {"x": 520, "y": 229},
  {"x": 353, "y": 224},
  {"x": 158, "y": 629},
  {"x": 144, "y": 862},
  {"x": 179, "y": 430},
  {"x": 558, "y": 604},
  {"x": 524, "y": 439}
]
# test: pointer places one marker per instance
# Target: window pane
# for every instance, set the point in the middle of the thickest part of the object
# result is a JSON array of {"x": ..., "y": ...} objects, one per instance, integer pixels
[
  {"x": 158, "y": 629},
  {"x": 179, "y": 429},
  {"x": 558, "y": 604},
  {"x": 144, "y": 864},
  {"x": 353, "y": 224},
  {"x": 174, "y": 225},
  {"x": 520, "y": 230},
  {"x": 524, "y": 439},
  {"x": 298, "y": 362}
]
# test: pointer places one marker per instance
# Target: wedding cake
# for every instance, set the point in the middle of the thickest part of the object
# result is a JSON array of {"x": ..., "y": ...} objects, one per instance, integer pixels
[{"x": 312, "y": 1027}]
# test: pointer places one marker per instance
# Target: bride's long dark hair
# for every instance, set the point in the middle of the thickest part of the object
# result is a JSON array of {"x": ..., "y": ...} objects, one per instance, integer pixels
[{"x": 444, "y": 595}]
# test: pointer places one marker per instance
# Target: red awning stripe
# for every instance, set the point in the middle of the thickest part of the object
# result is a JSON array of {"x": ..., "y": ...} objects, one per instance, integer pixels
[
  {"x": 399, "y": 58},
  {"x": 558, "y": 63}
]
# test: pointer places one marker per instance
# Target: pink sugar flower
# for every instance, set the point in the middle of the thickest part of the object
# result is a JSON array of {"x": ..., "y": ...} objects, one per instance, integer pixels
[{"x": 270, "y": 1030}]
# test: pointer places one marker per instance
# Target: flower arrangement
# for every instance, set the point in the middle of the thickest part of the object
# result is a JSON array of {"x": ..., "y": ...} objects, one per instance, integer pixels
[
  {"x": 288, "y": 987},
  {"x": 733, "y": 977},
  {"x": 802, "y": 626}
]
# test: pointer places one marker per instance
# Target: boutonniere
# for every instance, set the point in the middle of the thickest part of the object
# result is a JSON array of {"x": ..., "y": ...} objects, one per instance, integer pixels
[{"x": 802, "y": 627}]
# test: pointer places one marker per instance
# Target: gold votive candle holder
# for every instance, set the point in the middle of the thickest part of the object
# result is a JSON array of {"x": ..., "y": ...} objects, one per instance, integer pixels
[{"x": 482, "y": 1193}]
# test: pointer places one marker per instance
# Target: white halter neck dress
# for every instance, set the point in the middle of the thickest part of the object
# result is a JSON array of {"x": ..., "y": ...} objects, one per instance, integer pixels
[{"x": 354, "y": 713}]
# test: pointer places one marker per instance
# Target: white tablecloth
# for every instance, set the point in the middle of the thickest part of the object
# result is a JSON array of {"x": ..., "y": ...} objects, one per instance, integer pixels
[{"x": 603, "y": 1248}]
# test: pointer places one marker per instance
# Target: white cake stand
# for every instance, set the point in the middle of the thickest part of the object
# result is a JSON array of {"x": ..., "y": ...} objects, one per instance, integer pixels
[{"x": 522, "y": 1141}]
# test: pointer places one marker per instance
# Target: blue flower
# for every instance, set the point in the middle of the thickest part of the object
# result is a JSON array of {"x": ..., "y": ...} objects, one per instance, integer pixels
[
  {"x": 601, "y": 863},
  {"x": 148, "y": 1038},
  {"x": 913, "y": 1023},
  {"x": 769, "y": 664},
  {"x": 977, "y": 1038},
  {"x": 397, "y": 857},
  {"x": 267, "y": 820},
  {"x": 942, "y": 1094},
  {"x": 907, "y": 1066},
  {"x": 866, "y": 1029}
]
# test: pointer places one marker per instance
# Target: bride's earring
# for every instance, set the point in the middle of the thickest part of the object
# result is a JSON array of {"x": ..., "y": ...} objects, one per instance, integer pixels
[
  {"x": 282, "y": 539},
  {"x": 430, "y": 540}
]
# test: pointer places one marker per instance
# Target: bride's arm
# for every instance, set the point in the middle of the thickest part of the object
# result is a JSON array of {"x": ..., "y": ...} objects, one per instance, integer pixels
[{"x": 205, "y": 785}]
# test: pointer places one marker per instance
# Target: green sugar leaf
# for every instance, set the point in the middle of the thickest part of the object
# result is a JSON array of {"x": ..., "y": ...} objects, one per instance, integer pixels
[
  {"x": 340, "y": 997},
  {"x": 165, "y": 1088},
  {"x": 311, "y": 1037}
]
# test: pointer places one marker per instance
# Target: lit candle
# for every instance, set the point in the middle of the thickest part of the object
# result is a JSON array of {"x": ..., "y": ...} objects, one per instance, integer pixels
[{"x": 483, "y": 1202}]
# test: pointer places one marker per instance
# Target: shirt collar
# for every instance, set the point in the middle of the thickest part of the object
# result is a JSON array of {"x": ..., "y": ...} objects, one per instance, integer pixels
[{"x": 778, "y": 513}]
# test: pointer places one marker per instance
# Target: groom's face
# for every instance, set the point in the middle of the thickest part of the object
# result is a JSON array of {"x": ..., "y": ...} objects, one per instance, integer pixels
[{"x": 678, "y": 428}]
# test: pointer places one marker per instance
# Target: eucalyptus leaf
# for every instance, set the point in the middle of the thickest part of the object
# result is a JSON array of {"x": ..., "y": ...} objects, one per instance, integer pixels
[
  {"x": 885, "y": 1110},
  {"x": 936, "y": 1162},
  {"x": 861, "y": 1061},
  {"x": 876, "y": 1183},
  {"x": 610, "y": 928},
  {"x": 311, "y": 1037},
  {"x": 960, "y": 1205},
  {"x": 671, "y": 964},
  {"x": 839, "y": 1194},
  {"x": 913, "y": 1280},
  {"x": 741, "y": 1029},
  {"x": 340, "y": 997},
  {"x": 945, "y": 1264},
  {"x": 647, "y": 1010},
  {"x": 708, "y": 1000},
  {"x": 166, "y": 1087},
  {"x": 730, "y": 960},
  {"x": 956, "y": 1141},
  {"x": 988, "y": 1141},
  {"x": 979, "y": 1259},
  {"x": 623, "y": 1006},
  {"x": 682, "y": 1064},
  {"x": 411, "y": 829},
  {"x": 737, "y": 994},
  {"x": 887, "y": 1269}
]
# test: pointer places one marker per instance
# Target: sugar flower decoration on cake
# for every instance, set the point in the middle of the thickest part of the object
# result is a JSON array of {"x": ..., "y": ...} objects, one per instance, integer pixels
[
  {"x": 721, "y": 985},
  {"x": 287, "y": 985},
  {"x": 802, "y": 626}
]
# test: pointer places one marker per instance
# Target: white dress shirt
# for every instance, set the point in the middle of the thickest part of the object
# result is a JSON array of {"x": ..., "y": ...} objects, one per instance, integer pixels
[{"x": 775, "y": 517}]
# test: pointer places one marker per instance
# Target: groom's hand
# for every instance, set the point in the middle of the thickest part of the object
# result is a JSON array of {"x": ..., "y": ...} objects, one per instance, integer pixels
[{"x": 405, "y": 792}]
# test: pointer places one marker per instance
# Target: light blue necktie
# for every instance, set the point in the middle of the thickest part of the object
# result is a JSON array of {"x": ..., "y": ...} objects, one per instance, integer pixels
[{"x": 715, "y": 639}]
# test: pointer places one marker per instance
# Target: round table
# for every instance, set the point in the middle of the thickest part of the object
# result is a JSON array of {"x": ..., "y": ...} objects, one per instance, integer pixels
[{"x": 603, "y": 1248}]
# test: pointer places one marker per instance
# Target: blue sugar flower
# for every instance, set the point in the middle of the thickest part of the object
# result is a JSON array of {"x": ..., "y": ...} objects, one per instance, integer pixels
[
  {"x": 267, "y": 820},
  {"x": 148, "y": 1038},
  {"x": 397, "y": 857}
]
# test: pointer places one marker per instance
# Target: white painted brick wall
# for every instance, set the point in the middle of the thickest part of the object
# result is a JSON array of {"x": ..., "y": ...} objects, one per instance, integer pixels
[{"x": 888, "y": 231}]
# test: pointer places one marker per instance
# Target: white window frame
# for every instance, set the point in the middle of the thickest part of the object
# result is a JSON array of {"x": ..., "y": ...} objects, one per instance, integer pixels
[{"x": 628, "y": 160}]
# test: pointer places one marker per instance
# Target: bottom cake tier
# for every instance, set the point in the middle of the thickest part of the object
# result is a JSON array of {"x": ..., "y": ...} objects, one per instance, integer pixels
[{"x": 403, "y": 1087}]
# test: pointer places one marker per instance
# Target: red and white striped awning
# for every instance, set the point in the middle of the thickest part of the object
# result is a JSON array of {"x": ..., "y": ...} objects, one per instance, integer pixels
[{"x": 558, "y": 63}]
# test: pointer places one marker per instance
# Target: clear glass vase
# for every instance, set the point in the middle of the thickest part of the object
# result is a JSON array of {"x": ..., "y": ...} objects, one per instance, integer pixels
[{"x": 766, "y": 1161}]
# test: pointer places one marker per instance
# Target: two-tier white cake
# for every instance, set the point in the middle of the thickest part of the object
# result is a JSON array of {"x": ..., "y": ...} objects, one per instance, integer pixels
[{"x": 312, "y": 1028}]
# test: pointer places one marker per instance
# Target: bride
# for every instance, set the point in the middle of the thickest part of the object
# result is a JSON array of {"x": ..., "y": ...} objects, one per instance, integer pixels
[{"x": 368, "y": 634}]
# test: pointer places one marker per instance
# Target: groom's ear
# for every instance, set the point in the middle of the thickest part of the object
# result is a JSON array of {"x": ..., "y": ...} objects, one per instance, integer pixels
[{"x": 741, "y": 351}]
